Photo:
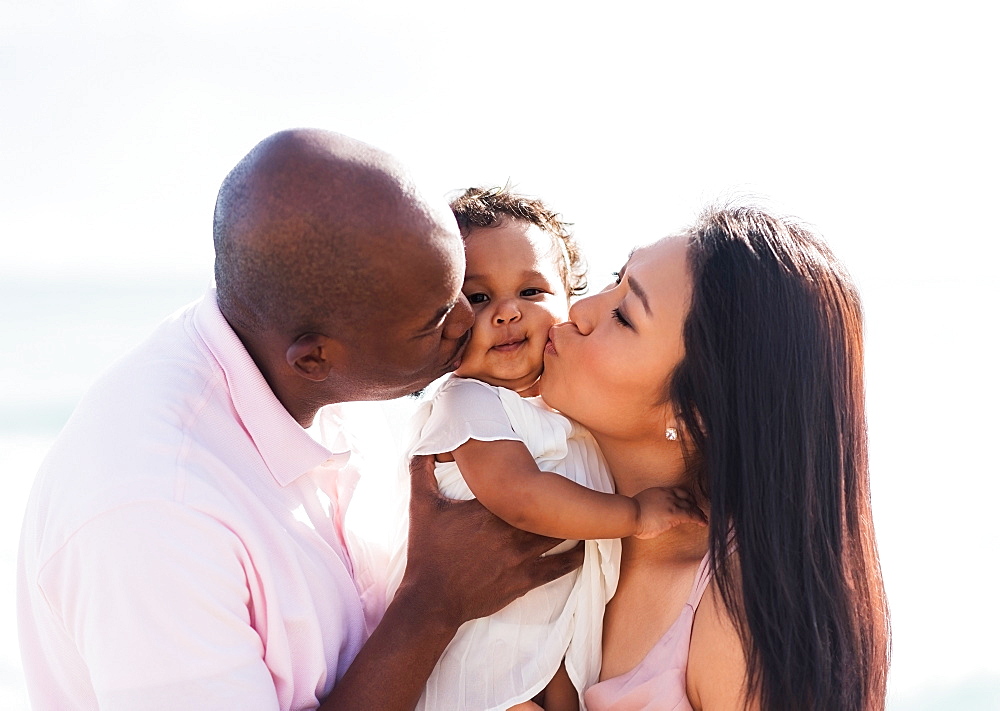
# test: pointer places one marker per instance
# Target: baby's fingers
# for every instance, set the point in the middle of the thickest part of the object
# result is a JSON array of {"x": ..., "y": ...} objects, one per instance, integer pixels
[{"x": 688, "y": 510}]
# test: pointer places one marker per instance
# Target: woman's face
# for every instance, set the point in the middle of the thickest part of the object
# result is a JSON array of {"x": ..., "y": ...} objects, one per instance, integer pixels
[{"x": 607, "y": 368}]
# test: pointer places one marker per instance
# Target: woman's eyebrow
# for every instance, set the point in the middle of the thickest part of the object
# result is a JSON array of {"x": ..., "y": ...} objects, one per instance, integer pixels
[{"x": 641, "y": 293}]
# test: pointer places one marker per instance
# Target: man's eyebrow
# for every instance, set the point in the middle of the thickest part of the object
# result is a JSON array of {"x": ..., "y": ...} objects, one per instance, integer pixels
[
  {"x": 438, "y": 317},
  {"x": 641, "y": 293}
]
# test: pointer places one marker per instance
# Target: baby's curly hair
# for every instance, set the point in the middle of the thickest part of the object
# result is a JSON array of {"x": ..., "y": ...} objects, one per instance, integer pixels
[{"x": 487, "y": 207}]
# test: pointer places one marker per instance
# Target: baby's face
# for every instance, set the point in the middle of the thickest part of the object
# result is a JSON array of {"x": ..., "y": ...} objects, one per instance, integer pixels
[{"x": 513, "y": 284}]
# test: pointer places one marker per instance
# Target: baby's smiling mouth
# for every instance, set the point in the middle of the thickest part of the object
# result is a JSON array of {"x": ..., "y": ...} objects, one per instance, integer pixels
[{"x": 511, "y": 344}]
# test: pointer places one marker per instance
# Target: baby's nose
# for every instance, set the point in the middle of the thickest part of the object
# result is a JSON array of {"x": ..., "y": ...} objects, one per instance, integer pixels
[{"x": 506, "y": 314}]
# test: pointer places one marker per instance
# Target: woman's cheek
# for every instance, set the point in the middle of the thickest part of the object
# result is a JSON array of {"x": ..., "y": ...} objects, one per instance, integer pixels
[{"x": 599, "y": 365}]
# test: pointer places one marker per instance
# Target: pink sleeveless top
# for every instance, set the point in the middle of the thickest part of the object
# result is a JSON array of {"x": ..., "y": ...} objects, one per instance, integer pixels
[{"x": 659, "y": 681}]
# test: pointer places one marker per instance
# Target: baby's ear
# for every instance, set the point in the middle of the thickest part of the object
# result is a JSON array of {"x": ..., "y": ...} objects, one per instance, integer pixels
[{"x": 313, "y": 355}]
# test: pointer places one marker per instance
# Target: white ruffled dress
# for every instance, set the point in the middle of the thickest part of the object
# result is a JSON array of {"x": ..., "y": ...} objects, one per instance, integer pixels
[{"x": 501, "y": 660}]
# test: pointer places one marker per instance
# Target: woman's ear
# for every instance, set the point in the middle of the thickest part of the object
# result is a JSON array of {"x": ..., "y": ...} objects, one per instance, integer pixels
[{"x": 313, "y": 355}]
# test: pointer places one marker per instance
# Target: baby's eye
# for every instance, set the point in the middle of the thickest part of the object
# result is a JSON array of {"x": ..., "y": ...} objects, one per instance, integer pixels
[
  {"x": 477, "y": 298},
  {"x": 531, "y": 292}
]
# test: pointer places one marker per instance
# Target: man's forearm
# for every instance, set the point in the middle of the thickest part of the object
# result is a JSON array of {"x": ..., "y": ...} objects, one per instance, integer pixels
[{"x": 392, "y": 668}]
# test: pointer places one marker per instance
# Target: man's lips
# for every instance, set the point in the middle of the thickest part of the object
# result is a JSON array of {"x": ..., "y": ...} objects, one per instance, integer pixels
[{"x": 456, "y": 359}]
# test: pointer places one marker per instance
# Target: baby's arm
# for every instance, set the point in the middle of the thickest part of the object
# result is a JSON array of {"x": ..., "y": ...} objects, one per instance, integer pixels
[{"x": 506, "y": 480}]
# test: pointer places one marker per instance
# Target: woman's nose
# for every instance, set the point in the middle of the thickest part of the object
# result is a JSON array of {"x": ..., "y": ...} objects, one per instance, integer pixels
[
  {"x": 582, "y": 311},
  {"x": 506, "y": 312}
]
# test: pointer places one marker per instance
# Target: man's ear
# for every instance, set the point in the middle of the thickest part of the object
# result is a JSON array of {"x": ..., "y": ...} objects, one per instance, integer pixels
[{"x": 313, "y": 356}]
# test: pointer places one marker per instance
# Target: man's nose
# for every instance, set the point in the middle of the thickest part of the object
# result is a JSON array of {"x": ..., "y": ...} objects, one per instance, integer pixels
[{"x": 460, "y": 319}]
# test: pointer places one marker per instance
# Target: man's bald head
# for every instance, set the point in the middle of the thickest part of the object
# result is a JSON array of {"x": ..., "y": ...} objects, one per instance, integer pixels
[{"x": 312, "y": 230}]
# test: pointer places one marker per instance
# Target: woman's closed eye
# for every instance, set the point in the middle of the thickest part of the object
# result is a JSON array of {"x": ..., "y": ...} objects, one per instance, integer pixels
[{"x": 617, "y": 315}]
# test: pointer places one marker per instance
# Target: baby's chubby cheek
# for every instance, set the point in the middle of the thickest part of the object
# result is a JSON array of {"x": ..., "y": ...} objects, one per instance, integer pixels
[{"x": 472, "y": 361}]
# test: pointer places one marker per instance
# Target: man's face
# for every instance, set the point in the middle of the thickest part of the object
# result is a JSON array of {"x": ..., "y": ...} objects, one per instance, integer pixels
[{"x": 420, "y": 335}]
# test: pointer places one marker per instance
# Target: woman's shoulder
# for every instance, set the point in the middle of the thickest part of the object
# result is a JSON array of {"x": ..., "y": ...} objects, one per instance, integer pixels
[{"x": 717, "y": 665}]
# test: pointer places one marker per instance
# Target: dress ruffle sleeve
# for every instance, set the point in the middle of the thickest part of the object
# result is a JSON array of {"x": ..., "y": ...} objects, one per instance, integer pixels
[{"x": 463, "y": 409}]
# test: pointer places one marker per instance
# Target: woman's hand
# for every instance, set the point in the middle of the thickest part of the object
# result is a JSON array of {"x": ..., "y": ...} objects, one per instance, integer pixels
[{"x": 663, "y": 508}]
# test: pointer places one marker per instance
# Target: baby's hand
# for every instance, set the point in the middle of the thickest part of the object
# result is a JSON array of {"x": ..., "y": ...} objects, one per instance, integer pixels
[{"x": 662, "y": 508}]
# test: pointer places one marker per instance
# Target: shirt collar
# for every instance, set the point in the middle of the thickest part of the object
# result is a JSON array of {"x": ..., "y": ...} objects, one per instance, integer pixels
[{"x": 287, "y": 449}]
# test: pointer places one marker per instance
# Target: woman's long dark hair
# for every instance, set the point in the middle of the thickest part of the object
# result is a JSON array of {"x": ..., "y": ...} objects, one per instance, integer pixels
[{"x": 771, "y": 395}]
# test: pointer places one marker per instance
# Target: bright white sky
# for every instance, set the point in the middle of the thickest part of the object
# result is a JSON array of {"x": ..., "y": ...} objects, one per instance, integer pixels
[{"x": 875, "y": 121}]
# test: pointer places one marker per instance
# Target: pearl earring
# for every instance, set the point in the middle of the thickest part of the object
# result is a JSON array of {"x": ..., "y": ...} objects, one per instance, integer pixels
[{"x": 671, "y": 434}]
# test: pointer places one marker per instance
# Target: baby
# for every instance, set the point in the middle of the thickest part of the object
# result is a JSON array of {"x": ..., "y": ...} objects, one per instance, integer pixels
[{"x": 527, "y": 464}]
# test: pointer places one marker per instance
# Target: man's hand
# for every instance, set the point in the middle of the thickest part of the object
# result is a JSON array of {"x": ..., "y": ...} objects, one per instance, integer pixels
[
  {"x": 463, "y": 562},
  {"x": 663, "y": 508}
]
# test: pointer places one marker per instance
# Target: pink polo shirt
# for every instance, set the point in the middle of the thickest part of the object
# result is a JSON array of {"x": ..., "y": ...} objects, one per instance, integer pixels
[{"x": 183, "y": 545}]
